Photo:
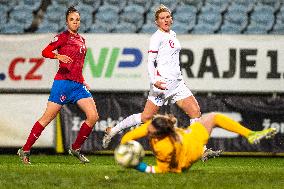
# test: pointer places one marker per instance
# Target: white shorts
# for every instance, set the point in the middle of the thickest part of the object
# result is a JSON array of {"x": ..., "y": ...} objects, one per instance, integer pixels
[{"x": 176, "y": 90}]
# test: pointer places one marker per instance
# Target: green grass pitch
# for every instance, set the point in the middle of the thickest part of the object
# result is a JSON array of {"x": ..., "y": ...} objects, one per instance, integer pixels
[{"x": 63, "y": 171}]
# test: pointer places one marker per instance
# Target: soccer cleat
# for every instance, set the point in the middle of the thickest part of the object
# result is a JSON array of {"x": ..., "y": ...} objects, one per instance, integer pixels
[
  {"x": 209, "y": 153},
  {"x": 24, "y": 156},
  {"x": 255, "y": 136},
  {"x": 107, "y": 137},
  {"x": 78, "y": 155}
]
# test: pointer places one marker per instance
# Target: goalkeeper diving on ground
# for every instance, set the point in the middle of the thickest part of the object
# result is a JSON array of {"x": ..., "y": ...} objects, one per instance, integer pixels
[{"x": 177, "y": 149}]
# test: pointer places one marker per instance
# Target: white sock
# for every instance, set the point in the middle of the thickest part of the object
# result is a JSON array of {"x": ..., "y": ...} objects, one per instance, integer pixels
[
  {"x": 128, "y": 122},
  {"x": 193, "y": 120}
]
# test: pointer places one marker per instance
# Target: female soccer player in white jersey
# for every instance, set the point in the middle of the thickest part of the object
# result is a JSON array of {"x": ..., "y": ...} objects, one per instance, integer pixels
[{"x": 167, "y": 84}]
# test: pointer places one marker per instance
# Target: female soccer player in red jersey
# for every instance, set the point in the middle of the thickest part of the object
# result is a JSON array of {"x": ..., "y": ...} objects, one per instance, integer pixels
[{"x": 69, "y": 86}]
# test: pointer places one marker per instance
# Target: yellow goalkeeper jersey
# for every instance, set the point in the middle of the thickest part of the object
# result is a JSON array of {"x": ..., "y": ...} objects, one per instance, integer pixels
[{"x": 171, "y": 155}]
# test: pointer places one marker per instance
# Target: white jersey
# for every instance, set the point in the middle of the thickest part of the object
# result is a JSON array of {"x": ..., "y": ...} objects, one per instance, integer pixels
[{"x": 164, "y": 49}]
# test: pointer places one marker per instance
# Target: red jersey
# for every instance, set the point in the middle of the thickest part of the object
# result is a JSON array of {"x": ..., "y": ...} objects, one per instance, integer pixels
[{"x": 72, "y": 45}]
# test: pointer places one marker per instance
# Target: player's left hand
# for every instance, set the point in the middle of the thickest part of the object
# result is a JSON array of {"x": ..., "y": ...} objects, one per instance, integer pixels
[
  {"x": 160, "y": 85},
  {"x": 64, "y": 58},
  {"x": 87, "y": 85}
]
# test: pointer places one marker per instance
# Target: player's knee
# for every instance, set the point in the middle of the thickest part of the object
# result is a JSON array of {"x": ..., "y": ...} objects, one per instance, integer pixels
[
  {"x": 95, "y": 117},
  {"x": 212, "y": 116},
  {"x": 196, "y": 110},
  {"x": 145, "y": 117},
  {"x": 92, "y": 118}
]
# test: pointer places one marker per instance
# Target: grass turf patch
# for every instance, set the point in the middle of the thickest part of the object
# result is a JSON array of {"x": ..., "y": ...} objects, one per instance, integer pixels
[{"x": 62, "y": 171}]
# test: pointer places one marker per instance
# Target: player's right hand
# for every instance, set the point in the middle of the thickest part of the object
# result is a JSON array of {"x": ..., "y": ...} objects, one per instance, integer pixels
[
  {"x": 64, "y": 58},
  {"x": 160, "y": 85}
]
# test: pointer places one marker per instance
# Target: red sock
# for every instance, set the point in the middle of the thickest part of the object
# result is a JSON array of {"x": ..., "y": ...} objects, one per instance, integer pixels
[
  {"x": 82, "y": 136},
  {"x": 35, "y": 133}
]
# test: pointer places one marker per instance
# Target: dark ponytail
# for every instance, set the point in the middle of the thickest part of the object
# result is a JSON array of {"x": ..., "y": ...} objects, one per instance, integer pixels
[{"x": 70, "y": 10}]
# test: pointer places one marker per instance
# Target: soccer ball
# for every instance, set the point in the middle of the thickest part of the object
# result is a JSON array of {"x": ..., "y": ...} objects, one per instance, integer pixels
[{"x": 129, "y": 154}]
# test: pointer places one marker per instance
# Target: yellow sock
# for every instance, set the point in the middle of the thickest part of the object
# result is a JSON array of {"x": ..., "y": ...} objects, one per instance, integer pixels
[{"x": 229, "y": 124}]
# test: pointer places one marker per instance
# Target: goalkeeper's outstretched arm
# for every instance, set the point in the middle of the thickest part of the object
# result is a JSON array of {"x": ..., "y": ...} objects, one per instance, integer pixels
[
  {"x": 137, "y": 133},
  {"x": 143, "y": 167}
]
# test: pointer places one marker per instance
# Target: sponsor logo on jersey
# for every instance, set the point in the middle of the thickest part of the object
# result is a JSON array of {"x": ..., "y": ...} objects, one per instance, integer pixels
[
  {"x": 55, "y": 39},
  {"x": 172, "y": 44}
]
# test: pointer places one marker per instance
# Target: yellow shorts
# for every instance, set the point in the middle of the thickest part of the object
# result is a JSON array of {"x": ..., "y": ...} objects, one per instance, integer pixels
[{"x": 194, "y": 139}]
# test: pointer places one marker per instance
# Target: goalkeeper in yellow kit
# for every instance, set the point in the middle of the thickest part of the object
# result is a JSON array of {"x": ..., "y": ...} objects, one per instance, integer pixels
[{"x": 177, "y": 149}]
